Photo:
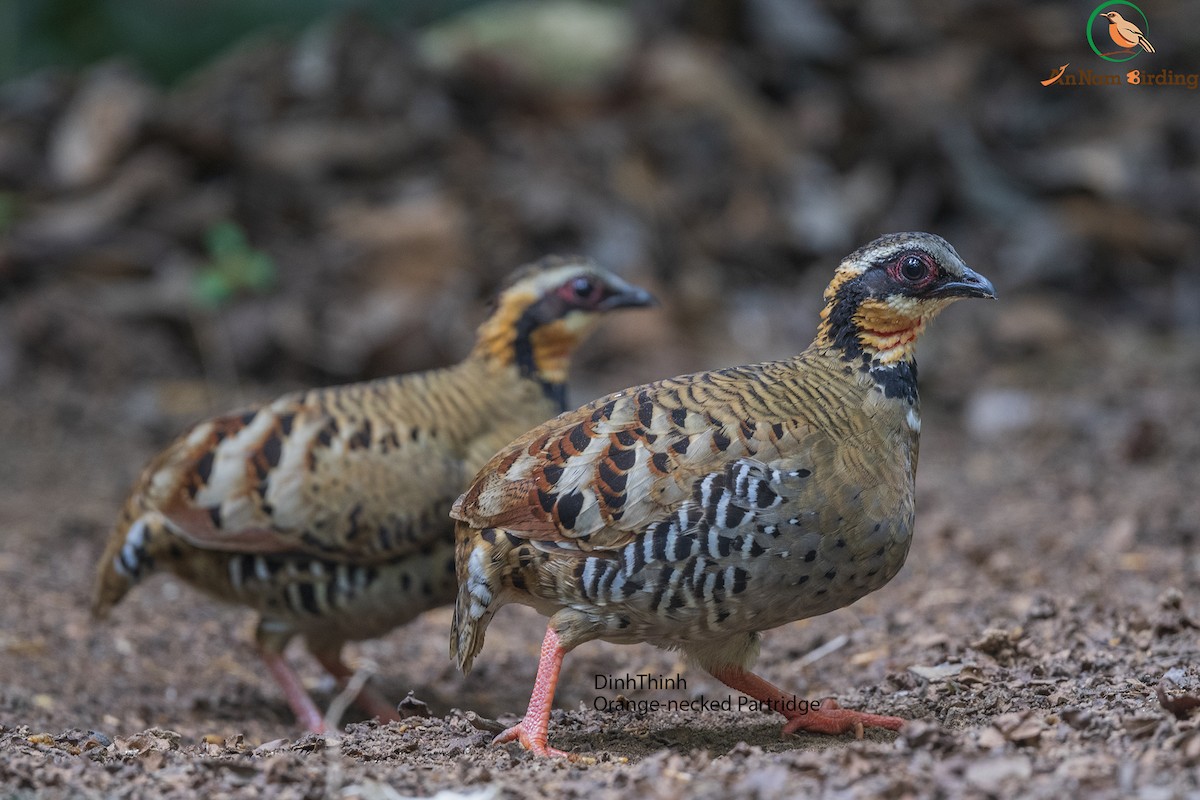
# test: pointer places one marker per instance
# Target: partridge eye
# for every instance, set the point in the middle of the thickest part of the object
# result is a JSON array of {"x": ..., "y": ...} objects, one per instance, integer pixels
[
  {"x": 913, "y": 268},
  {"x": 582, "y": 287}
]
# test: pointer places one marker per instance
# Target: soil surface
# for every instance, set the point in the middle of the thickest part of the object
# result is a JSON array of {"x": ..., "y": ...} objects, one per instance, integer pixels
[{"x": 1042, "y": 637}]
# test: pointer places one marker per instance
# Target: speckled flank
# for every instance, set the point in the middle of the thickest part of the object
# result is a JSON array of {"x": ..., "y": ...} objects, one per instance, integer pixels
[{"x": 604, "y": 479}]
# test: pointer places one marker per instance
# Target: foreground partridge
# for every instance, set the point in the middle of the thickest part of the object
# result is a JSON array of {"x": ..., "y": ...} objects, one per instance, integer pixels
[
  {"x": 327, "y": 510},
  {"x": 695, "y": 512}
]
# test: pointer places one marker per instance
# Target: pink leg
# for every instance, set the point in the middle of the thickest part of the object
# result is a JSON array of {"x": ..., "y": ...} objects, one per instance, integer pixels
[
  {"x": 302, "y": 705},
  {"x": 829, "y": 718},
  {"x": 532, "y": 731},
  {"x": 369, "y": 699}
]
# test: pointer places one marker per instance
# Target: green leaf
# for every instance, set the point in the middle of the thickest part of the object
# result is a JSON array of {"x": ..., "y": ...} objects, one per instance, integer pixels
[
  {"x": 211, "y": 289},
  {"x": 225, "y": 240},
  {"x": 234, "y": 266}
]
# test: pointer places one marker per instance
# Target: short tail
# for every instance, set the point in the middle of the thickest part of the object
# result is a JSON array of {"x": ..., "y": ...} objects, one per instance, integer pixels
[
  {"x": 130, "y": 555},
  {"x": 479, "y": 559}
]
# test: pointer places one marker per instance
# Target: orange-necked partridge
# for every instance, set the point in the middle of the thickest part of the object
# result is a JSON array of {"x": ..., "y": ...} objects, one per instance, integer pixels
[
  {"x": 326, "y": 511},
  {"x": 695, "y": 512}
]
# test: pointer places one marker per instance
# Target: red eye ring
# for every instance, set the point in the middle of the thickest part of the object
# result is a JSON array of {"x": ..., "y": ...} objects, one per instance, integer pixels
[
  {"x": 583, "y": 287},
  {"x": 914, "y": 269},
  {"x": 582, "y": 291}
]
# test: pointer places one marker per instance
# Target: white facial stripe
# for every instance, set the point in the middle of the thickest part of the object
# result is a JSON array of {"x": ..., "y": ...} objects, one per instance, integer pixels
[{"x": 556, "y": 277}]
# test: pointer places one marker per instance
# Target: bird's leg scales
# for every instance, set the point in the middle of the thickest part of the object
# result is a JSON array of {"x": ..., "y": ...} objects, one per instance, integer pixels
[
  {"x": 297, "y": 697},
  {"x": 828, "y": 717},
  {"x": 533, "y": 729}
]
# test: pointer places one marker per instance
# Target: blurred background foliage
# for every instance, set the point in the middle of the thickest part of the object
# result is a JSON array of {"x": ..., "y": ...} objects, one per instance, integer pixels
[
  {"x": 318, "y": 191},
  {"x": 166, "y": 39}
]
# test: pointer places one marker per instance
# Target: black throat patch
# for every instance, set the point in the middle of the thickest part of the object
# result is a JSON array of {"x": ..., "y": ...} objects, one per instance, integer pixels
[
  {"x": 843, "y": 331},
  {"x": 897, "y": 380},
  {"x": 534, "y": 317}
]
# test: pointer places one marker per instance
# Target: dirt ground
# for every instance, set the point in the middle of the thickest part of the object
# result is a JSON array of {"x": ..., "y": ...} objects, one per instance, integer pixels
[{"x": 1040, "y": 637}]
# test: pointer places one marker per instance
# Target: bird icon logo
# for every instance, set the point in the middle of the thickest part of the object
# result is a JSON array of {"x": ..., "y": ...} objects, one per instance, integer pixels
[
  {"x": 1127, "y": 35},
  {"x": 1129, "y": 38}
]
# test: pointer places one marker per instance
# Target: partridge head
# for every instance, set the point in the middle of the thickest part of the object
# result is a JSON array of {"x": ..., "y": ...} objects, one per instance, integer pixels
[{"x": 695, "y": 512}]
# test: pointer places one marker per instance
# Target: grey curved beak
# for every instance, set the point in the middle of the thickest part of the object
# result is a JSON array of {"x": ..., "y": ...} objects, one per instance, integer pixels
[
  {"x": 969, "y": 284},
  {"x": 627, "y": 296}
]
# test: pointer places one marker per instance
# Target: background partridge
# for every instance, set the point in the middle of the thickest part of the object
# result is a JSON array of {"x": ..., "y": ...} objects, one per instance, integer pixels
[
  {"x": 695, "y": 512},
  {"x": 327, "y": 510}
]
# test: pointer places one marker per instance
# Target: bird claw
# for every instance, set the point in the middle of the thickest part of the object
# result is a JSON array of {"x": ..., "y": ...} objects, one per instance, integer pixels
[
  {"x": 831, "y": 718},
  {"x": 533, "y": 742}
]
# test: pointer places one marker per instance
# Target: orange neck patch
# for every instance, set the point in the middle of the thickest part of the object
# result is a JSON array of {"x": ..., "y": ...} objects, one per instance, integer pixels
[
  {"x": 888, "y": 329},
  {"x": 549, "y": 346},
  {"x": 496, "y": 338},
  {"x": 553, "y": 346}
]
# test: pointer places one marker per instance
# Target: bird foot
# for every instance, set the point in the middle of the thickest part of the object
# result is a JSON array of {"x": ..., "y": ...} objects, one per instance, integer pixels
[
  {"x": 533, "y": 741},
  {"x": 833, "y": 719}
]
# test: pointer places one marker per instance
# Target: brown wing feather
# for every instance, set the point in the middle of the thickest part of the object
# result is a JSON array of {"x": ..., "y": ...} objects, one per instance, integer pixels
[
  {"x": 196, "y": 527},
  {"x": 333, "y": 472},
  {"x": 596, "y": 476}
]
